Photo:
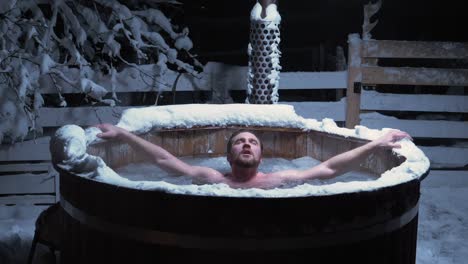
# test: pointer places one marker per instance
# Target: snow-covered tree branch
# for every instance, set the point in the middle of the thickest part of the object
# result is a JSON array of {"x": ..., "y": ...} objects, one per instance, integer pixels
[{"x": 96, "y": 39}]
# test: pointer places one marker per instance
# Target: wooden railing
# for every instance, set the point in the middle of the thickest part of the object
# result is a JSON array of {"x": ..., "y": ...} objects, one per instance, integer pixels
[{"x": 368, "y": 106}]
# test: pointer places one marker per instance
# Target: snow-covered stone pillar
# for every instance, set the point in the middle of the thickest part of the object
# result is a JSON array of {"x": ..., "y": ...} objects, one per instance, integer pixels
[{"x": 264, "y": 54}]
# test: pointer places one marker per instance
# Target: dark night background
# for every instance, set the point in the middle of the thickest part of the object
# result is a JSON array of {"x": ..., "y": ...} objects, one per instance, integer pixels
[{"x": 312, "y": 29}]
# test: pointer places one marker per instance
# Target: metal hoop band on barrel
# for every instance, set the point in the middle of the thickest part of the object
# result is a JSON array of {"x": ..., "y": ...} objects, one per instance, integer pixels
[{"x": 211, "y": 242}]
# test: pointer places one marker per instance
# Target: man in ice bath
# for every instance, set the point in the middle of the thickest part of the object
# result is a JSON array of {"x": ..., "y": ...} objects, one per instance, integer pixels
[{"x": 244, "y": 154}]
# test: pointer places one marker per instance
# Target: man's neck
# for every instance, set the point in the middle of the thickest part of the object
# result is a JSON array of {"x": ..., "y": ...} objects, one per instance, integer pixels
[{"x": 239, "y": 174}]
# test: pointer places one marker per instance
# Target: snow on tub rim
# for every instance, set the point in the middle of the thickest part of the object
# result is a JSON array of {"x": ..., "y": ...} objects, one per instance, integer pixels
[{"x": 203, "y": 129}]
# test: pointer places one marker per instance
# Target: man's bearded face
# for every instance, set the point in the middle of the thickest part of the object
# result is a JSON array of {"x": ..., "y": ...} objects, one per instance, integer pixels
[{"x": 245, "y": 151}]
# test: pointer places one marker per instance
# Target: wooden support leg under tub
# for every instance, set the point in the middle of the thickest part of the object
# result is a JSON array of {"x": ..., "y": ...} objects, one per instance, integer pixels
[{"x": 48, "y": 231}]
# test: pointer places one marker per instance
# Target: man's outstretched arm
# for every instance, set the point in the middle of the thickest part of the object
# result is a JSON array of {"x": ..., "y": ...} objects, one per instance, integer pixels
[
  {"x": 161, "y": 157},
  {"x": 348, "y": 160}
]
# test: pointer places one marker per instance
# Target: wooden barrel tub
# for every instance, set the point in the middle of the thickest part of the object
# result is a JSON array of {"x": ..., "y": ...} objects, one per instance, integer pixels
[{"x": 105, "y": 223}]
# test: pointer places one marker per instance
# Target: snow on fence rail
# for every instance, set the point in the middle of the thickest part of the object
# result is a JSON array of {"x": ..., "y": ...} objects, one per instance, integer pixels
[
  {"x": 26, "y": 176},
  {"x": 217, "y": 77},
  {"x": 373, "y": 108}
]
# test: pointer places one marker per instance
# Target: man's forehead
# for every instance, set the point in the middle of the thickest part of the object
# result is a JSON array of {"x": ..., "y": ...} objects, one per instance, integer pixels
[{"x": 245, "y": 135}]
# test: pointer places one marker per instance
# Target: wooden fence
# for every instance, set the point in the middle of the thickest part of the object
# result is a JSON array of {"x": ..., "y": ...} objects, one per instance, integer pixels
[{"x": 430, "y": 116}]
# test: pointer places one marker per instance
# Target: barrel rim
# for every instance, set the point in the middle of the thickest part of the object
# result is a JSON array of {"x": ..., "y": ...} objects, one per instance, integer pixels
[{"x": 414, "y": 175}]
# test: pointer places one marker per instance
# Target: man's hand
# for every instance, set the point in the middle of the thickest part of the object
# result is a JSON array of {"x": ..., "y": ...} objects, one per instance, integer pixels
[
  {"x": 110, "y": 131},
  {"x": 390, "y": 138}
]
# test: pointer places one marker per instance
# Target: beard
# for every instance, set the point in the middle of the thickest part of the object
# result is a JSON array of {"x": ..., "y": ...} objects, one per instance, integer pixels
[{"x": 247, "y": 163}]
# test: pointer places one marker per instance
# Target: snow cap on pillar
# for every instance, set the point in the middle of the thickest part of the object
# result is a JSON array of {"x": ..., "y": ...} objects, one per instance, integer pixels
[{"x": 264, "y": 54}]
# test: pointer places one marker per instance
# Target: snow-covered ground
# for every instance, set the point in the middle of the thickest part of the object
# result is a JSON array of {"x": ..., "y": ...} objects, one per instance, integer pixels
[
  {"x": 17, "y": 225},
  {"x": 443, "y": 226},
  {"x": 442, "y": 235}
]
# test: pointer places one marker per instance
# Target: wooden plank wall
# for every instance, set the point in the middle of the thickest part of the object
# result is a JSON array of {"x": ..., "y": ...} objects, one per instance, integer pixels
[
  {"x": 410, "y": 98},
  {"x": 26, "y": 174}
]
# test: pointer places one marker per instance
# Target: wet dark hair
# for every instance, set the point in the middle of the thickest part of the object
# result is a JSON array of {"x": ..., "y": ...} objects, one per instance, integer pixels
[{"x": 229, "y": 143}]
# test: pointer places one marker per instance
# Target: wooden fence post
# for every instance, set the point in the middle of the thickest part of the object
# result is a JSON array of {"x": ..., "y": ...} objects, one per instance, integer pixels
[{"x": 353, "y": 97}]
